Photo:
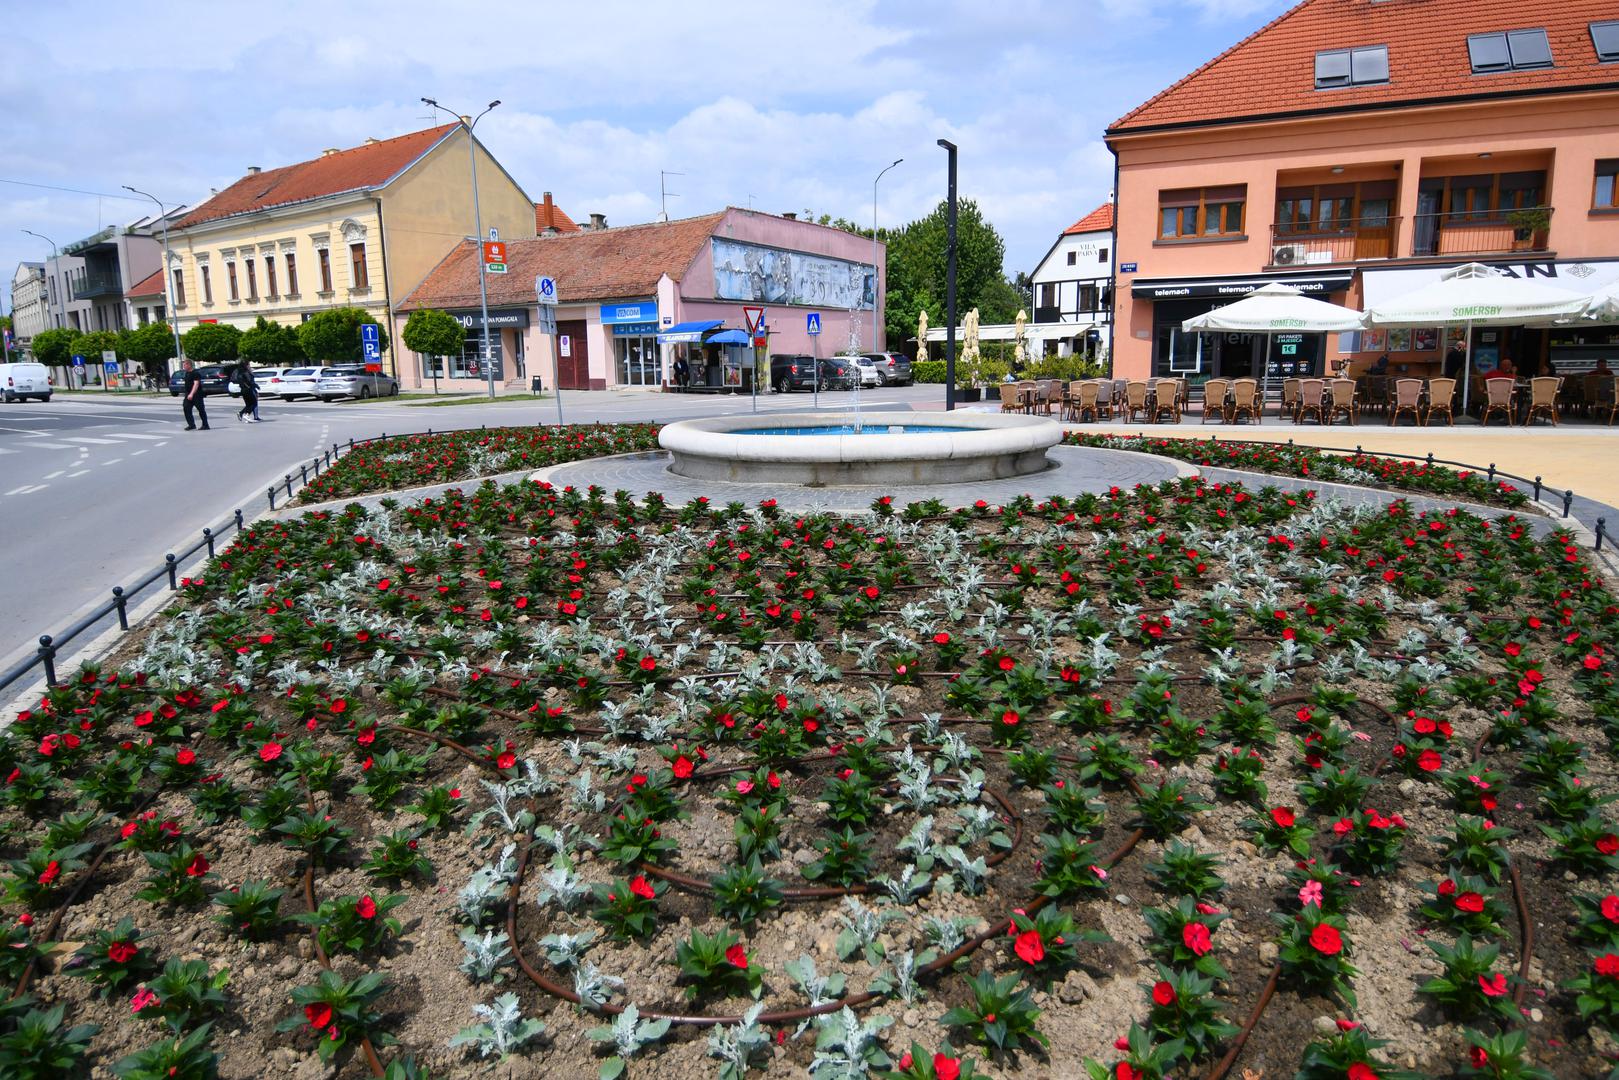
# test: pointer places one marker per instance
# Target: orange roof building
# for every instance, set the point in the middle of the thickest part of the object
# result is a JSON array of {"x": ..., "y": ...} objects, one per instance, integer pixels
[
  {"x": 1073, "y": 287},
  {"x": 1358, "y": 148}
]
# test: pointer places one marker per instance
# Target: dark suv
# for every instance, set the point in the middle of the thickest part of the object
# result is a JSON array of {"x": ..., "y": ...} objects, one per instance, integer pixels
[
  {"x": 892, "y": 367},
  {"x": 839, "y": 373},
  {"x": 213, "y": 380},
  {"x": 792, "y": 372}
]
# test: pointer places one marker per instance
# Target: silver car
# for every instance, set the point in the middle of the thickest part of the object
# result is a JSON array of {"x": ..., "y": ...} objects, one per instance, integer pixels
[
  {"x": 869, "y": 375},
  {"x": 293, "y": 383},
  {"x": 892, "y": 367},
  {"x": 353, "y": 380}
]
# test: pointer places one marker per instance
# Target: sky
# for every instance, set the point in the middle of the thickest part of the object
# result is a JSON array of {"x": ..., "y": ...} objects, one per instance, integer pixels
[{"x": 775, "y": 106}]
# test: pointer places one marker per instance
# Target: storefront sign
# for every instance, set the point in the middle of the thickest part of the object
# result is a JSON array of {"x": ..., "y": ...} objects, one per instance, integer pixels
[
  {"x": 635, "y": 329},
  {"x": 641, "y": 311},
  {"x": 1238, "y": 286},
  {"x": 498, "y": 317}
]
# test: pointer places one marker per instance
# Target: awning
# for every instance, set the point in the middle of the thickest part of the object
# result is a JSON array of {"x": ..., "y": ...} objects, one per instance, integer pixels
[
  {"x": 729, "y": 337},
  {"x": 1008, "y": 331},
  {"x": 688, "y": 332},
  {"x": 1240, "y": 285}
]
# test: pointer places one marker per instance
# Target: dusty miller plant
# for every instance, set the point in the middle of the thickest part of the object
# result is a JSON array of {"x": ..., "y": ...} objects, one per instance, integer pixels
[
  {"x": 739, "y": 1046},
  {"x": 503, "y": 1030},
  {"x": 629, "y": 1035},
  {"x": 846, "y": 1047},
  {"x": 485, "y": 954}
]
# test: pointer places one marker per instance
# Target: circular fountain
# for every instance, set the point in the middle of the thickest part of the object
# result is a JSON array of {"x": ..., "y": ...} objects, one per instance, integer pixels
[{"x": 844, "y": 449}]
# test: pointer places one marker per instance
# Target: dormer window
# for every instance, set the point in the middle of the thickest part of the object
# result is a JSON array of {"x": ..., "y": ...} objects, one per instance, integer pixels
[
  {"x": 1512, "y": 50},
  {"x": 1605, "y": 36},
  {"x": 1362, "y": 66}
]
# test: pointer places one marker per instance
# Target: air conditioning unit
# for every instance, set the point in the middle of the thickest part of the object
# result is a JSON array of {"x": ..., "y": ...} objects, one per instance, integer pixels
[{"x": 1288, "y": 254}]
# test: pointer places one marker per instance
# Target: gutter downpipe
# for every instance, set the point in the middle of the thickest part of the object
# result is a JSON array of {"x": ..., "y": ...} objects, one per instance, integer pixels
[{"x": 387, "y": 293}]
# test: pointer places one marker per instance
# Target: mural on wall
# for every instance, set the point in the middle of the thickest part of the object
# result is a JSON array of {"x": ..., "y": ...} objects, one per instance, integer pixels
[{"x": 764, "y": 275}]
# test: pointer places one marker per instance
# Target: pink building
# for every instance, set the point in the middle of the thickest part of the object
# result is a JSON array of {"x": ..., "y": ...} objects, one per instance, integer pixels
[
  {"x": 634, "y": 299},
  {"x": 1357, "y": 149}
]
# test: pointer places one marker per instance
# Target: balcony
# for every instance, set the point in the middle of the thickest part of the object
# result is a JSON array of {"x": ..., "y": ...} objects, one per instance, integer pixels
[
  {"x": 89, "y": 285},
  {"x": 1492, "y": 232},
  {"x": 1370, "y": 239}
]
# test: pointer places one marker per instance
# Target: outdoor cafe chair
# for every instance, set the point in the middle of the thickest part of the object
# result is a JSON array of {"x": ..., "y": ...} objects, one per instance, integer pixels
[
  {"x": 1374, "y": 393},
  {"x": 1498, "y": 398},
  {"x": 1167, "y": 401},
  {"x": 1604, "y": 397},
  {"x": 1290, "y": 398},
  {"x": 1050, "y": 394},
  {"x": 1343, "y": 401},
  {"x": 1214, "y": 399},
  {"x": 1440, "y": 393},
  {"x": 1012, "y": 397},
  {"x": 1244, "y": 399},
  {"x": 1135, "y": 399},
  {"x": 1310, "y": 395},
  {"x": 1543, "y": 398},
  {"x": 1407, "y": 398},
  {"x": 1084, "y": 397}
]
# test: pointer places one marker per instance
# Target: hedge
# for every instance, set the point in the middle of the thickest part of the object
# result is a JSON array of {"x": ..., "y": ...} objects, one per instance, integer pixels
[{"x": 928, "y": 371}]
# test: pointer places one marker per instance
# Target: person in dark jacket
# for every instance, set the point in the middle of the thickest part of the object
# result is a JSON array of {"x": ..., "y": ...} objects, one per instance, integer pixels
[
  {"x": 192, "y": 397},
  {"x": 243, "y": 375}
]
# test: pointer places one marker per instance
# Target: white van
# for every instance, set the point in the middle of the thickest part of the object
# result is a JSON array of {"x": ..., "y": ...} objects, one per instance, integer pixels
[{"x": 21, "y": 381}]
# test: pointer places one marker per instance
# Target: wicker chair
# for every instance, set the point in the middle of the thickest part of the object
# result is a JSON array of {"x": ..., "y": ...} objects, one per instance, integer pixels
[
  {"x": 1290, "y": 398},
  {"x": 1082, "y": 399},
  {"x": 1104, "y": 398},
  {"x": 1135, "y": 399},
  {"x": 1407, "y": 398},
  {"x": 1344, "y": 401},
  {"x": 1167, "y": 401},
  {"x": 1604, "y": 397},
  {"x": 1498, "y": 398},
  {"x": 1440, "y": 394},
  {"x": 1012, "y": 396},
  {"x": 1374, "y": 393},
  {"x": 1244, "y": 399},
  {"x": 1311, "y": 392},
  {"x": 1214, "y": 399},
  {"x": 1543, "y": 398}
]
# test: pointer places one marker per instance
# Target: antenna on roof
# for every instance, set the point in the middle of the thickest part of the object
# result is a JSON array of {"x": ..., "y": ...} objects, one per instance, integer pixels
[{"x": 664, "y": 194}]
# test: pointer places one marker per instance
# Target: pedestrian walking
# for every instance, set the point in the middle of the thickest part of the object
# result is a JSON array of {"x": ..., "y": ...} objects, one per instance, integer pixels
[
  {"x": 250, "y": 393},
  {"x": 192, "y": 397}
]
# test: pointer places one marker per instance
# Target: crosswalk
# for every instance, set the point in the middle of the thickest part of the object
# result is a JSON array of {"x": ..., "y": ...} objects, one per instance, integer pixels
[{"x": 78, "y": 442}]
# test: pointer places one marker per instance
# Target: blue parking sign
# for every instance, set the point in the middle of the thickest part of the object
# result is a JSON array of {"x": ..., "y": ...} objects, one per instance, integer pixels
[{"x": 371, "y": 341}]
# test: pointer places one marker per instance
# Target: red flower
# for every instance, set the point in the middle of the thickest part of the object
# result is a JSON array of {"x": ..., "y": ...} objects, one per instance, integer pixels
[
  {"x": 269, "y": 751},
  {"x": 506, "y": 760},
  {"x": 1607, "y": 964},
  {"x": 1361, "y": 1071},
  {"x": 122, "y": 952},
  {"x": 946, "y": 1068},
  {"x": 187, "y": 756},
  {"x": 640, "y": 888},
  {"x": 1123, "y": 1071},
  {"x": 1494, "y": 986},
  {"x": 1429, "y": 761},
  {"x": 383, "y": 585},
  {"x": 1007, "y": 663},
  {"x": 1029, "y": 947},
  {"x": 50, "y": 873},
  {"x": 941, "y": 638},
  {"x": 648, "y": 664},
  {"x": 737, "y": 957},
  {"x": 198, "y": 866},
  {"x": 1326, "y": 940},
  {"x": 1010, "y": 718},
  {"x": 1196, "y": 937},
  {"x": 366, "y": 908},
  {"x": 1447, "y": 888},
  {"x": 683, "y": 766},
  {"x": 1283, "y": 817},
  {"x": 1610, "y": 907},
  {"x": 1163, "y": 993},
  {"x": 1477, "y": 1057},
  {"x": 1608, "y": 843},
  {"x": 1470, "y": 901},
  {"x": 319, "y": 1015}
]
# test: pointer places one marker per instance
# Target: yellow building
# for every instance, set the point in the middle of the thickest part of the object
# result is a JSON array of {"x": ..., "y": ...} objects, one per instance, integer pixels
[{"x": 351, "y": 228}]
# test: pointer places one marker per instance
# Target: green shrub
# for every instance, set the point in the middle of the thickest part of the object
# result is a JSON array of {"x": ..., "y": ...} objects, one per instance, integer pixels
[{"x": 928, "y": 371}]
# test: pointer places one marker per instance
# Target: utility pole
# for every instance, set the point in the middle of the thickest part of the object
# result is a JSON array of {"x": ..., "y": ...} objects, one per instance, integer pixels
[
  {"x": 168, "y": 273},
  {"x": 876, "y": 282},
  {"x": 477, "y": 230},
  {"x": 950, "y": 285}
]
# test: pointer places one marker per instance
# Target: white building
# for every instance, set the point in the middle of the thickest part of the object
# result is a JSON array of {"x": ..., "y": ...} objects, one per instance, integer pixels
[
  {"x": 29, "y": 311},
  {"x": 1073, "y": 296}
]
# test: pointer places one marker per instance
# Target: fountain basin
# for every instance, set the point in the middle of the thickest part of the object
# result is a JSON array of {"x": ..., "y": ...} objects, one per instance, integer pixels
[{"x": 824, "y": 449}]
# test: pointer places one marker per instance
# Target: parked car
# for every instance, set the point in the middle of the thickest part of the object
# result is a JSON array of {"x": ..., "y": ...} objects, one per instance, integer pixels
[
  {"x": 214, "y": 380},
  {"x": 839, "y": 373},
  {"x": 294, "y": 383},
  {"x": 353, "y": 380},
  {"x": 261, "y": 381},
  {"x": 792, "y": 372},
  {"x": 866, "y": 368},
  {"x": 19, "y": 382},
  {"x": 892, "y": 367}
]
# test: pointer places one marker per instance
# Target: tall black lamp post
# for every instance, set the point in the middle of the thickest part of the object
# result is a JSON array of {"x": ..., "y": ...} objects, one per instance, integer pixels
[{"x": 950, "y": 285}]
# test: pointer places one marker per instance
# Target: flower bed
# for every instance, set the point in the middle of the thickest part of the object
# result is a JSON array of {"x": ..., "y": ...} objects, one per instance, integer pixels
[
  {"x": 447, "y": 456},
  {"x": 1100, "y": 786},
  {"x": 1310, "y": 463}
]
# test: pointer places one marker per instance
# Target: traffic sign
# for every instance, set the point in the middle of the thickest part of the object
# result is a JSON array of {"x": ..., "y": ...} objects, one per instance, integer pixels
[
  {"x": 78, "y": 361},
  {"x": 494, "y": 256},
  {"x": 812, "y": 323},
  {"x": 371, "y": 341},
  {"x": 755, "y": 317},
  {"x": 110, "y": 367},
  {"x": 494, "y": 233},
  {"x": 545, "y": 290}
]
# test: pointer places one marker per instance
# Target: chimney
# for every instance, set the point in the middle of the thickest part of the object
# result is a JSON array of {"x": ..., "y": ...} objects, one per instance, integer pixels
[
  {"x": 253, "y": 170},
  {"x": 598, "y": 222},
  {"x": 329, "y": 151},
  {"x": 791, "y": 215}
]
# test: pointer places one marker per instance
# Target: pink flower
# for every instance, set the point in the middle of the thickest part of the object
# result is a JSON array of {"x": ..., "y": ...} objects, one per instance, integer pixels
[
  {"x": 143, "y": 997},
  {"x": 1310, "y": 894},
  {"x": 743, "y": 787},
  {"x": 1494, "y": 986}
]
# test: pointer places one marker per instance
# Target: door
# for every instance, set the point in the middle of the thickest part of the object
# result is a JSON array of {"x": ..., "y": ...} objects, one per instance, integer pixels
[{"x": 573, "y": 355}]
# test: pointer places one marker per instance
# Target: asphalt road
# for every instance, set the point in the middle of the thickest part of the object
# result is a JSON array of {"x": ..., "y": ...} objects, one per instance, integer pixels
[{"x": 94, "y": 491}]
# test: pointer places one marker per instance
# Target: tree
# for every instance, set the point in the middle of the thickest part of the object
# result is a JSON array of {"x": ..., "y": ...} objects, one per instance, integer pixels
[
  {"x": 151, "y": 346},
  {"x": 917, "y": 261},
  {"x": 91, "y": 345},
  {"x": 333, "y": 336},
  {"x": 54, "y": 348},
  {"x": 434, "y": 333},
  {"x": 211, "y": 343},
  {"x": 270, "y": 344}
]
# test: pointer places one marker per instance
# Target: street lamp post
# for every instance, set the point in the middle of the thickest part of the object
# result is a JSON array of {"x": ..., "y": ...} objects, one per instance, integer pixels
[
  {"x": 950, "y": 284},
  {"x": 876, "y": 282},
  {"x": 55, "y": 315},
  {"x": 477, "y": 229},
  {"x": 168, "y": 272}
]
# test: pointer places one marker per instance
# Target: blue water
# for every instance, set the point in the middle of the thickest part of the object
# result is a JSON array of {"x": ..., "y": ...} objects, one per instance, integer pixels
[{"x": 875, "y": 428}]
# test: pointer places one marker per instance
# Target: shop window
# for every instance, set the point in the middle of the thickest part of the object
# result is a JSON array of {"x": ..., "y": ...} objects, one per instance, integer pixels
[
  {"x": 636, "y": 361},
  {"x": 1605, "y": 37},
  {"x": 1607, "y": 186},
  {"x": 1351, "y": 67},
  {"x": 468, "y": 365},
  {"x": 1189, "y": 213},
  {"x": 1514, "y": 50}
]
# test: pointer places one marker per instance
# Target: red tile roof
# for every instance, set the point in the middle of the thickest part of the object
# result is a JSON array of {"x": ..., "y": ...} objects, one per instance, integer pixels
[
  {"x": 347, "y": 170},
  {"x": 1272, "y": 71},
  {"x": 609, "y": 264},
  {"x": 548, "y": 215},
  {"x": 1098, "y": 220},
  {"x": 151, "y": 285}
]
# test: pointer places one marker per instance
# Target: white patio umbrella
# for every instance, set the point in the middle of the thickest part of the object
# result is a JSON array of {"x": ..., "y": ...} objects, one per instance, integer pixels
[
  {"x": 1603, "y": 305},
  {"x": 1276, "y": 309},
  {"x": 1477, "y": 295}
]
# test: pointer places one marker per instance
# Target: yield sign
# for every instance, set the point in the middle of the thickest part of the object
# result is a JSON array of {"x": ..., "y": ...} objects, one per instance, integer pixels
[{"x": 754, "y": 316}]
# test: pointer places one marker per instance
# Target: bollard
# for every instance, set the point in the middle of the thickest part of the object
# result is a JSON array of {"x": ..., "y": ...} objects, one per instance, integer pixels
[
  {"x": 303, "y": 471},
  {"x": 1537, "y": 489},
  {"x": 1430, "y": 459},
  {"x": 174, "y": 565},
  {"x": 272, "y": 498},
  {"x": 208, "y": 538},
  {"x": 289, "y": 485},
  {"x": 119, "y": 602},
  {"x": 239, "y": 520},
  {"x": 1602, "y": 531},
  {"x": 1568, "y": 501},
  {"x": 47, "y": 652},
  {"x": 1492, "y": 472}
]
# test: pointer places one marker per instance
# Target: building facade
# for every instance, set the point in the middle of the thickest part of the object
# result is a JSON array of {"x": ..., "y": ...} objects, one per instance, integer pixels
[
  {"x": 351, "y": 228},
  {"x": 1356, "y": 147},
  {"x": 1073, "y": 286},
  {"x": 633, "y": 299},
  {"x": 29, "y": 311},
  {"x": 110, "y": 262}
]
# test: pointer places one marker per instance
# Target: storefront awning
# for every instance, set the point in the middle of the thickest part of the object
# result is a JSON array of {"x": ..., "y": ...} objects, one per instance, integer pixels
[
  {"x": 728, "y": 337},
  {"x": 688, "y": 332}
]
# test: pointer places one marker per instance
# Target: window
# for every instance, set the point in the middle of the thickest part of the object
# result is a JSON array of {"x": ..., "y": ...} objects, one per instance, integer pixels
[
  {"x": 1351, "y": 67},
  {"x": 325, "y": 257},
  {"x": 1101, "y": 255},
  {"x": 1192, "y": 213},
  {"x": 269, "y": 276},
  {"x": 1515, "y": 50},
  {"x": 357, "y": 266},
  {"x": 1607, "y": 189},
  {"x": 230, "y": 274},
  {"x": 1605, "y": 36},
  {"x": 252, "y": 281},
  {"x": 179, "y": 289},
  {"x": 1334, "y": 208},
  {"x": 292, "y": 275},
  {"x": 1089, "y": 295},
  {"x": 207, "y": 284},
  {"x": 1073, "y": 257},
  {"x": 1048, "y": 295}
]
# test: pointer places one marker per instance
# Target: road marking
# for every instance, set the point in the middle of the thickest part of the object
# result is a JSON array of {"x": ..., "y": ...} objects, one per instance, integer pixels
[
  {"x": 132, "y": 435},
  {"x": 27, "y": 489},
  {"x": 81, "y": 472},
  {"x": 3, "y": 450},
  {"x": 112, "y": 461},
  {"x": 138, "y": 453},
  {"x": 94, "y": 442},
  {"x": 54, "y": 475},
  {"x": 49, "y": 446}
]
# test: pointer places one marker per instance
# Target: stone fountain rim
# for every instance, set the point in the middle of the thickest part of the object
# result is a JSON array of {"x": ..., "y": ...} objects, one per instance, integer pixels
[{"x": 978, "y": 435}]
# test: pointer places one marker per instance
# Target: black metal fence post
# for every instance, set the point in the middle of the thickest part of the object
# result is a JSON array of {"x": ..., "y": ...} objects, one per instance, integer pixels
[
  {"x": 289, "y": 485},
  {"x": 239, "y": 525},
  {"x": 1537, "y": 489},
  {"x": 208, "y": 538},
  {"x": 303, "y": 471},
  {"x": 1602, "y": 531},
  {"x": 272, "y": 498},
  {"x": 122, "y": 605},
  {"x": 173, "y": 566},
  {"x": 1492, "y": 472},
  {"x": 1568, "y": 501},
  {"x": 47, "y": 654}
]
